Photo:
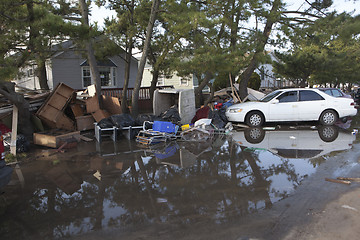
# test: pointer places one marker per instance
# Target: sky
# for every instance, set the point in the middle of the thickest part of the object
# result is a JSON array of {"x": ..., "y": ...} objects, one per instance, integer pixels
[{"x": 98, "y": 14}]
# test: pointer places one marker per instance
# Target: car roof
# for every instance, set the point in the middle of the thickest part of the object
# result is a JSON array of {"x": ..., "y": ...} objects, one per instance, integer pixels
[
  {"x": 296, "y": 89},
  {"x": 328, "y": 88}
]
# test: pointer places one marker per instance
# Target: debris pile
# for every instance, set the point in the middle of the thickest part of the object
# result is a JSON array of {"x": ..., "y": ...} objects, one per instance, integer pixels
[{"x": 66, "y": 113}]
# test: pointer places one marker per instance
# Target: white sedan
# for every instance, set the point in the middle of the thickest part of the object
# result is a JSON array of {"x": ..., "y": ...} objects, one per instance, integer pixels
[{"x": 293, "y": 104}]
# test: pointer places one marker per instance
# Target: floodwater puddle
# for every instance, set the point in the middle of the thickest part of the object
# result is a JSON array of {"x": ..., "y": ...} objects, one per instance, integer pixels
[{"x": 124, "y": 186}]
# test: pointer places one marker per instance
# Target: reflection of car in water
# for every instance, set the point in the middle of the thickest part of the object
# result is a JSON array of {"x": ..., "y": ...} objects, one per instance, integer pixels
[{"x": 304, "y": 143}]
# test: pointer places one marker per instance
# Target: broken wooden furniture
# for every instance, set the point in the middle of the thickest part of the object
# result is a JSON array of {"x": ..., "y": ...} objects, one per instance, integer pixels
[{"x": 52, "y": 111}]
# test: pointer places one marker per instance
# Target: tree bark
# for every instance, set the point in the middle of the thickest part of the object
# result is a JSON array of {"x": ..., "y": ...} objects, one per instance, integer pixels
[
  {"x": 149, "y": 29},
  {"x": 246, "y": 75},
  {"x": 155, "y": 77},
  {"x": 124, "y": 105},
  {"x": 41, "y": 74},
  {"x": 203, "y": 83},
  {"x": 7, "y": 89},
  {"x": 95, "y": 76}
]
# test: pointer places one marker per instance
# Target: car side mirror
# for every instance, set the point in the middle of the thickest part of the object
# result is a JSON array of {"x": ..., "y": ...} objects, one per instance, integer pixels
[{"x": 276, "y": 101}]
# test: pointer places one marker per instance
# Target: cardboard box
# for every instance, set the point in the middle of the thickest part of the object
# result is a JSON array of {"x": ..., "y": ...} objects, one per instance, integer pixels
[
  {"x": 85, "y": 122},
  {"x": 112, "y": 105},
  {"x": 100, "y": 114},
  {"x": 92, "y": 104},
  {"x": 54, "y": 138}
]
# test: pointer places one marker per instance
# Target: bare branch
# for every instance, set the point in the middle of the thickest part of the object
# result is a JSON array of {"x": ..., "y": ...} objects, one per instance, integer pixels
[
  {"x": 13, "y": 19},
  {"x": 301, "y": 13}
]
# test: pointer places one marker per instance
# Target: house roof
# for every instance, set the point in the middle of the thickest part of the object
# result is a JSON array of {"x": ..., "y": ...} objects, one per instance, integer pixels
[
  {"x": 62, "y": 47},
  {"x": 103, "y": 63}
]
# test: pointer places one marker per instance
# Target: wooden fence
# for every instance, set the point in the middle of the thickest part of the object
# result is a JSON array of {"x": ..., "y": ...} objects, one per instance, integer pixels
[{"x": 145, "y": 104}]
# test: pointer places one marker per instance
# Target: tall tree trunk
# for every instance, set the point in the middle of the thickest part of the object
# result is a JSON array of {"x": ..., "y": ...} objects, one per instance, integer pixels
[
  {"x": 124, "y": 105},
  {"x": 41, "y": 74},
  {"x": 202, "y": 84},
  {"x": 246, "y": 75},
  {"x": 135, "y": 96},
  {"x": 155, "y": 77},
  {"x": 90, "y": 52}
]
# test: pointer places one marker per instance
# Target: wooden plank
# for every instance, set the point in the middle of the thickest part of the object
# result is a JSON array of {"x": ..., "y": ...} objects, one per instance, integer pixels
[
  {"x": 349, "y": 179},
  {"x": 54, "y": 138},
  {"x": 337, "y": 181}
]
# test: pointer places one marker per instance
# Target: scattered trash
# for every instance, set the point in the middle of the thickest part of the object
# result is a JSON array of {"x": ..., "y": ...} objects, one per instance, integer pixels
[
  {"x": 348, "y": 207},
  {"x": 337, "y": 181},
  {"x": 202, "y": 122},
  {"x": 97, "y": 175},
  {"x": 160, "y": 132},
  {"x": 196, "y": 135}
]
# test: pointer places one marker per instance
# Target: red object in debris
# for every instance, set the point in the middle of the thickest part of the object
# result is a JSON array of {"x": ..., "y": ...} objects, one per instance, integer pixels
[
  {"x": 218, "y": 106},
  {"x": 201, "y": 113},
  {"x": 4, "y": 129}
]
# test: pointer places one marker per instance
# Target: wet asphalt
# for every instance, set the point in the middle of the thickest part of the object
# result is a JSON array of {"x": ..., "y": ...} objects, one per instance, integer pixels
[{"x": 247, "y": 184}]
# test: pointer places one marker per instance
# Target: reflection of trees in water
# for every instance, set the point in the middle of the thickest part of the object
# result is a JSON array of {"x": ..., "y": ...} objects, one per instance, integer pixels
[{"x": 224, "y": 183}]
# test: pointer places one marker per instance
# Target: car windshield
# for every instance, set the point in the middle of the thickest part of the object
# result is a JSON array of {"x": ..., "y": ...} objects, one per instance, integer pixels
[{"x": 270, "y": 96}]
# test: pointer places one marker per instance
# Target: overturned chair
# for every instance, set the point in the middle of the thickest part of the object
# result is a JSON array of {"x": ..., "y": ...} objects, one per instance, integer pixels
[{"x": 160, "y": 132}]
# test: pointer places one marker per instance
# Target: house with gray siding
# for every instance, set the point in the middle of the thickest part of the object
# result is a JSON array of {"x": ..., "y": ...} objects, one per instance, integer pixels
[
  {"x": 69, "y": 66},
  {"x": 174, "y": 80}
]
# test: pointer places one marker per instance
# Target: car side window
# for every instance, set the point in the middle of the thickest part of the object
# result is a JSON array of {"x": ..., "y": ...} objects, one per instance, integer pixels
[
  {"x": 288, "y": 97},
  {"x": 308, "y": 95},
  {"x": 336, "y": 93},
  {"x": 328, "y": 91}
]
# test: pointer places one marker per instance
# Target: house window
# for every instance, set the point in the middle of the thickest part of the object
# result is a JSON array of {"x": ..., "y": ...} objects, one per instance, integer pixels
[
  {"x": 30, "y": 72},
  {"x": 107, "y": 76},
  {"x": 184, "y": 81},
  {"x": 86, "y": 76},
  {"x": 161, "y": 80}
]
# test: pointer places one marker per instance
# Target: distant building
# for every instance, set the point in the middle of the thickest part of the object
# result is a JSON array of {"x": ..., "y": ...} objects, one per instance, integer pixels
[
  {"x": 178, "y": 82},
  {"x": 267, "y": 76},
  {"x": 68, "y": 65}
]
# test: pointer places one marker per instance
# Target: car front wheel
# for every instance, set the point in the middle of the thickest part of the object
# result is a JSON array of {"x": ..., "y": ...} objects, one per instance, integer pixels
[
  {"x": 328, "y": 117},
  {"x": 255, "y": 119}
]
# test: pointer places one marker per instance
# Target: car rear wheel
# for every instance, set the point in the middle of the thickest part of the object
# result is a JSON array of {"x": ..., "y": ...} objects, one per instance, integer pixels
[
  {"x": 255, "y": 119},
  {"x": 328, "y": 117}
]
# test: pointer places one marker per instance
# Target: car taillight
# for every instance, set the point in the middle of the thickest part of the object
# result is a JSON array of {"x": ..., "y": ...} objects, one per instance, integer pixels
[{"x": 353, "y": 104}]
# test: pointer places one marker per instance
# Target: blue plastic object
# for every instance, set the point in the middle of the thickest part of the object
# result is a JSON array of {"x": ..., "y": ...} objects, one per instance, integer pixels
[{"x": 166, "y": 127}]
